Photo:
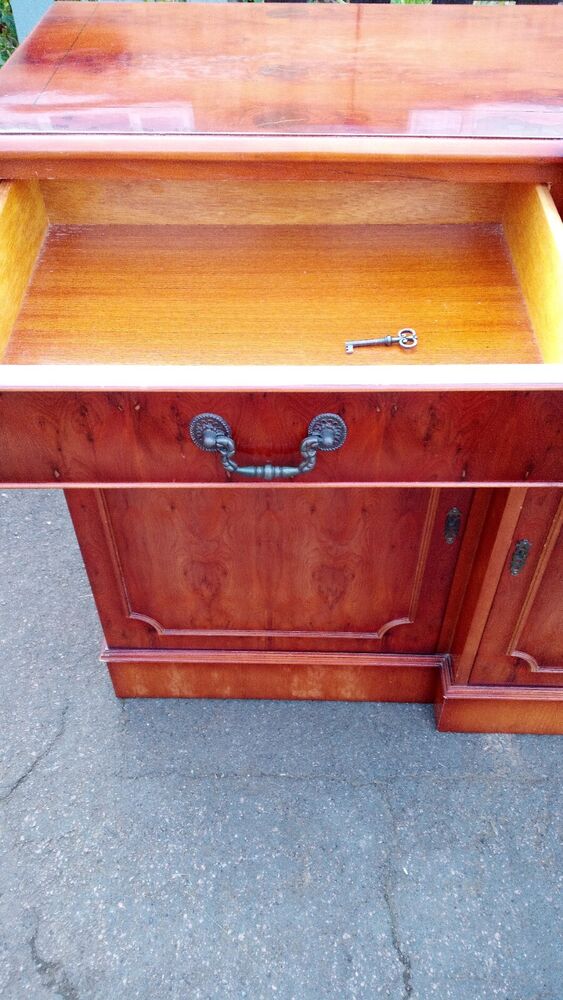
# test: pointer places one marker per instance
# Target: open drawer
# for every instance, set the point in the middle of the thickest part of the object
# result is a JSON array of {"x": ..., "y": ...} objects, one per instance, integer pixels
[
  {"x": 184, "y": 273},
  {"x": 116, "y": 292}
]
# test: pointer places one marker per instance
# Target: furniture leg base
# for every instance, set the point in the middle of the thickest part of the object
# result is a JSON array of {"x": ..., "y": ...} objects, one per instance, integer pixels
[
  {"x": 307, "y": 676},
  {"x": 464, "y": 708}
]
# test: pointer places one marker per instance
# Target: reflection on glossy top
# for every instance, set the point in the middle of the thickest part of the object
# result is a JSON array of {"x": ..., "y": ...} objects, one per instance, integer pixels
[{"x": 294, "y": 70}]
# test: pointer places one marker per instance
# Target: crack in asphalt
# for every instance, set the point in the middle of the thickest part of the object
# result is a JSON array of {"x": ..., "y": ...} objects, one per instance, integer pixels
[
  {"x": 53, "y": 975},
  {"x": 328, "y": 778},
  {"x": 389, "y": 879},
  {"x": 40, "y": 757}
]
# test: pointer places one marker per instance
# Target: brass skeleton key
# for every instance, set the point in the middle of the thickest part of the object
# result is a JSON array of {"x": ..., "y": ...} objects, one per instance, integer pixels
[{"x": 405, "y": 338}]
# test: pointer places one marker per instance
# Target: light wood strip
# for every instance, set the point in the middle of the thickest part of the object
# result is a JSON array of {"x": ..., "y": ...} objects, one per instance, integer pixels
[
  {"x": 234, "y": 202},
  {"x": 286, "y": 378},
  {"x": 22, "y": 226},
  {"x": 534, "y": 233}
]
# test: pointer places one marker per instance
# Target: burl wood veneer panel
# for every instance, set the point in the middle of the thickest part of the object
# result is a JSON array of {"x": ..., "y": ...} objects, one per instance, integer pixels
[
  {"x": 351, "y": 569},
  {"x": 92, "y": 438}
]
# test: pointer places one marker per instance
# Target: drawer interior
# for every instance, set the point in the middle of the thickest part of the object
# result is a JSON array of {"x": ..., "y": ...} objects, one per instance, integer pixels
[{"x": 278, "y": 273}]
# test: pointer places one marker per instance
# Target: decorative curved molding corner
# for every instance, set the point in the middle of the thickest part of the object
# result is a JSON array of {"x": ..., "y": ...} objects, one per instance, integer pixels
[
  {"x": 265, "y": 633},
  {"x": 147, "y": 620},
  {"x": 533, "y": 664},
  {"x": 394, "y": 623}
]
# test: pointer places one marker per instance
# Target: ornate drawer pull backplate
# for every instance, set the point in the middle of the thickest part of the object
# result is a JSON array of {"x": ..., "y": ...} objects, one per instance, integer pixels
[{"x": 327, "y": 432}]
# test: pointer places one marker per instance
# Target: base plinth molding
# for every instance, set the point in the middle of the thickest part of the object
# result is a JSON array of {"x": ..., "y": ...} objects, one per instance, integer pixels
[
  {"x": 478, "y": 708},
  {"x": 308, "y": 676}
]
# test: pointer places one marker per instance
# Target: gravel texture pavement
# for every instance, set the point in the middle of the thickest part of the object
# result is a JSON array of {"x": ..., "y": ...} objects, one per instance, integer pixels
[{"x": 215, "y": 850}]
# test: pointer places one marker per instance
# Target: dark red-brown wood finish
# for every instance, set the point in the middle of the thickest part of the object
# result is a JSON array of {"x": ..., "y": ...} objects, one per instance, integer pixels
[
  {"x": 523, "y": 638},
  {"x": 427, "y": 87},
  {"x": 355, "y": 570},
  {"x": 209, "y": 201},
  {"x": 344, "y": 70},
  {"x": 128, "y": 438}
]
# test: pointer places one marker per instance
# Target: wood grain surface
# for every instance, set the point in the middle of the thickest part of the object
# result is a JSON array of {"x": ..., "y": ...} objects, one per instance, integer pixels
[
  {"x": 23, "y": 223},
  {"x": 497, "y": 709},
  {"x": 284, "y": 202},
  {"x": 328, "y": 70},
  {"x": 245, "y": 185},
  {"x": 534, "y": 233},
  {"x": 429, "y": 437},
  {"x": 498, "y": 521},
  {"x": 259, "y": 159},
  {"x": 522, "y": 642},
  {"x": 298, "y": 676},
  {"x": 289, "y": 565},
  {"x": 271, "y": 295},
  {"x": 357, "y": 569}
]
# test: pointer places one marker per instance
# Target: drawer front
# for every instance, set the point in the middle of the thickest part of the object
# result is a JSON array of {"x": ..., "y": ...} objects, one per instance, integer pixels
[{"x": 121, "y": 438}]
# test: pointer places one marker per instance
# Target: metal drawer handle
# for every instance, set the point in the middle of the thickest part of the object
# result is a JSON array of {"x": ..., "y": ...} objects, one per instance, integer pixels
[{"x": 327, "y": 432}]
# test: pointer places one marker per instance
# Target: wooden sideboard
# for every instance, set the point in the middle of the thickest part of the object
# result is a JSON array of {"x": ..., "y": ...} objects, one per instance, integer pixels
[{"x": 201, "y": 206}]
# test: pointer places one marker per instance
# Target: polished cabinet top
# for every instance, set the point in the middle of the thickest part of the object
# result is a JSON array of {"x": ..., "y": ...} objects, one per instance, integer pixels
[{"x": 293, "y": 70}]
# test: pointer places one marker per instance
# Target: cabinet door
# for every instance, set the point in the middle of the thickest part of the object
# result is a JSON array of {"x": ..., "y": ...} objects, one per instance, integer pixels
[
  {"x": 523, "y": 638},
  {"x": 278, "y": 568}
]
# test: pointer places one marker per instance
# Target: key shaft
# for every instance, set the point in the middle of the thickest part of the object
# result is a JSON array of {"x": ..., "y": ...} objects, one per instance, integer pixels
[{"x": 405, "y": 338}]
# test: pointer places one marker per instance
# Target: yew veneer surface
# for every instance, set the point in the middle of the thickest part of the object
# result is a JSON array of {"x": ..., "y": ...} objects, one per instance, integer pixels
[
  {"x": 334, "y": 70},
  {"x": 220, "y": 589}
]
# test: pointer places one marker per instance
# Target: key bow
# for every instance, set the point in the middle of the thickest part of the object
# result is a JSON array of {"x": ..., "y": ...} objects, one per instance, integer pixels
[{"x": 407, "y": 338}]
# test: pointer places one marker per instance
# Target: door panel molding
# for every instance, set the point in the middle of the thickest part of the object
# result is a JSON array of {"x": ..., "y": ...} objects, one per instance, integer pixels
[
  {"x": 530, "y": 597},
  {"x": 162, "y": 630}
]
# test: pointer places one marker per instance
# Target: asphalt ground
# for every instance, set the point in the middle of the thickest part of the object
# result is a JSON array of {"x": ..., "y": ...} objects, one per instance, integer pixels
[{"x": 208, "y": 849}]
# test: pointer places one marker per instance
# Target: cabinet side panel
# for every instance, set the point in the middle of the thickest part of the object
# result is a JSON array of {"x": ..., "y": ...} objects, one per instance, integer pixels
[
  {"x": 23, "y": 223},
  {"x": 534, "y": 232}
]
